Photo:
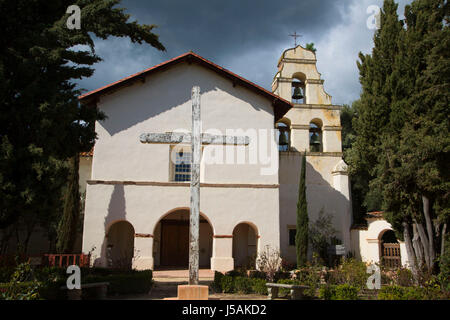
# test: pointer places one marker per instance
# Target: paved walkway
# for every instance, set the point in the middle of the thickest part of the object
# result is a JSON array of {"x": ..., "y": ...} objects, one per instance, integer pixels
[
  {"x": 181, "y": 275},
  {"x": 165, "y": 285}
]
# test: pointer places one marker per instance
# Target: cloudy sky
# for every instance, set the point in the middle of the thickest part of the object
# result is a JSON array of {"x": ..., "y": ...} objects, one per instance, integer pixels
[{"x": 247, "y": 37}]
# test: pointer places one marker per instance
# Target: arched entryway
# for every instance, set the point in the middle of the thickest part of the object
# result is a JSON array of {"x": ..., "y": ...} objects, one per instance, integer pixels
[
  {"x": 171, "y": 241},
  {"x": 245, "y": 242},
  {"x": 120, "y": 245},
  {"x": 389, "y": 249}
]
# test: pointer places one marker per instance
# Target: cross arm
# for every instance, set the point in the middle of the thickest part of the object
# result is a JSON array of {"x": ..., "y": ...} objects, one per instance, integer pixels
[{"x": 186, "y": 138}]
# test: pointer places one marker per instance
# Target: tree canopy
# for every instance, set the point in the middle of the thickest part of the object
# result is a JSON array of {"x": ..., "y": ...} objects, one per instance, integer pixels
[
  {"x": 401, "y": 146},
  {"x": 41, "y": 122}
]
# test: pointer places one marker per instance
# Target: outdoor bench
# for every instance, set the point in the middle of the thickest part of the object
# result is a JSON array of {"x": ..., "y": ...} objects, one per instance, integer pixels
[{"x": 296, "y": 290}]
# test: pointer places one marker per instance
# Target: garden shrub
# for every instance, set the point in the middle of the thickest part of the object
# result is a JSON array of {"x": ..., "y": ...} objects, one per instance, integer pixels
[
  {"x": 431, "y": 292},
  {"x": 227, "y": 284},
  {"x": 259, "y": 286},
  {"x": 242, "y": 285},
  {"x": 444, "y": 267},
  {"x": 346, "y": 292},
  {"x": 132, "y": 282},
  {"x": 217, "y": 283},
  {"x": 351, "y": 271},
  {"x": 256, "y": 274},
  {"x": 338, "y": 292},
  {"x": 327, "y": 292},
  {"x": 28, "y": 290},
  {"x": 309, "y": 276}
]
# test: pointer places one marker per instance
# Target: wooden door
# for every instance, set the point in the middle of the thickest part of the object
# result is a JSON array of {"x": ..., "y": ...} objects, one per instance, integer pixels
[{"x": 175, "y": 243}]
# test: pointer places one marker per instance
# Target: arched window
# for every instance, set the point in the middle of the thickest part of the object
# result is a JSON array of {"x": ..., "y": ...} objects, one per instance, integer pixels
[
  {"x": 315, "y": 136},
  {"x": 284, "y": 135},
  {"x": 298, "y": 88}
]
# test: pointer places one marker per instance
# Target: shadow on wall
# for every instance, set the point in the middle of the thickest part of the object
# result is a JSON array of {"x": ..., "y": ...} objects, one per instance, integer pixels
[
  {"x": 174, "y": 89},
  {"x": 319, "y": 193},
  {"x": 116, "y": 212}
]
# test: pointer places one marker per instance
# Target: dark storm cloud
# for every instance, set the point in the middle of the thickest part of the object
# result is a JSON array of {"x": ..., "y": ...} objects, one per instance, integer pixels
[
  {"x": 246, "y": 37},
  {"x": 217, "y": 29}
]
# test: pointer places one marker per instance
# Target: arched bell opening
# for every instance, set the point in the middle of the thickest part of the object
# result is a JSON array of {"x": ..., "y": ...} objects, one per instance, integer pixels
[
  {"x": 315, "y": 136},
  {"x": 283, "y": 135}
]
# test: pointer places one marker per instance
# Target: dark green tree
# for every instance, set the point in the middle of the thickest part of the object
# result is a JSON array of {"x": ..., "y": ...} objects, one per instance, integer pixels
[
  {"x": 301, "y": 235},
  {"x": 41, "y": 122},
  {"x": 67, "y": 227},
  {"x": 402, "y": 143},
  {"x": 310, "y": 46}
]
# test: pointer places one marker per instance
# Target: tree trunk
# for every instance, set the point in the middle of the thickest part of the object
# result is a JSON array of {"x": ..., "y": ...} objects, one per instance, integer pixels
[
  {"x": 412, "y": 259},
  {"x": 444, "y": 231},
  {"x": 429, "y": 225},
  {"x": 418, "y": 248},
  {"x": 424, "y": 240}
]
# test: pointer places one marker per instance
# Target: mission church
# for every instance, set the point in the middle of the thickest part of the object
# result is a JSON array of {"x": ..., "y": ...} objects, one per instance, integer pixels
[{"x": 138, "y": 195}]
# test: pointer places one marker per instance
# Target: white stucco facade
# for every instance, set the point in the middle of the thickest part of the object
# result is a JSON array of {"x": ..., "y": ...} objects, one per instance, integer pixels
[
  {"x": 247, "y": 205},
  {"x": 132, "y": 181}
]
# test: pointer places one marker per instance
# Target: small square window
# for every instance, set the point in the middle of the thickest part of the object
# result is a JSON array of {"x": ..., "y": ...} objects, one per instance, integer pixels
[{"x": 182, "y": 167}]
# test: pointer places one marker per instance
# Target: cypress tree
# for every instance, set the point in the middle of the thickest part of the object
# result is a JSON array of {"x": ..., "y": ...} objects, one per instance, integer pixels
[
  {"x": 67, "y": 228},
  {"x": 301, "y": 235},
  {"x": 402, "y": 140},
  {"x": 42, "y": 123}
]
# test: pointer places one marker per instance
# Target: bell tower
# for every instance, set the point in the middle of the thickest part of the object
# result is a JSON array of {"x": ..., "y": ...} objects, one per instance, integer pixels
[
  {"x": 315, "y": 122},
  {"x": 312, "y": 125}
]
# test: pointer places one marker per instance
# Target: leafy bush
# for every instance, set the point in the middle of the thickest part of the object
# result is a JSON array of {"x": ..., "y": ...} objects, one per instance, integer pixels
[
  {"x": 238, "y": 284},
  {"x": 444, "y": 266},
  {"x": 432, "y": 292},
  {"x": 338, "y": 292},
  {"x": 403, "y": 277},
  {"x": 227, "y": 284},
  {"x": 133, "y": 282},
  {"x": 20, "y": 290},
  {"x": 242, "y": 285},
  {"x": 22, "y": 284},
  {"x": 346, "y": 292},
  {"x": 259, "y": 286},
  {"x": 255, "y": 274},
  {"x": 327, "y": 292},
  {"x": 217, "y": 284},
  {"x": 351, "y": 271},
  {"x": 309, "y": 276}
]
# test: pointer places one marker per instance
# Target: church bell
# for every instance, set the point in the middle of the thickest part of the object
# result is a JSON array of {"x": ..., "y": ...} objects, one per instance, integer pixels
[
  {"x": 297, "y": 93},
  {"x": 315, "y": 143},
  {"x": 283, "y": 139}
]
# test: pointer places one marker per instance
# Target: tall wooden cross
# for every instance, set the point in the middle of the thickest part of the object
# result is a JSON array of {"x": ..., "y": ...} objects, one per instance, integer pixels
[{"x": 196, "y": 139}]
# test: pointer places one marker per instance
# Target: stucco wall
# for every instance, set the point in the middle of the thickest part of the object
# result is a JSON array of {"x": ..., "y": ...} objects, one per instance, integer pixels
[
  {"x": 321, "y": 194},
  {"x": 162, "y": 104},
  {"x": 365, "y": 242}
]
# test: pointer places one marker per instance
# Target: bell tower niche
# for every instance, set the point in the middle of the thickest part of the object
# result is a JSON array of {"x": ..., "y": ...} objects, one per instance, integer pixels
[{"x": 298, "y": 81}]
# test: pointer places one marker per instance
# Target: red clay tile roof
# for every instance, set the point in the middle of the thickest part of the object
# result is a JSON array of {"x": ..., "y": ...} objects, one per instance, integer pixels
[
  {"x": 281, "y": 106},
  {"x": 375, "y": 214},
  {"x": 87, "y": 154}
]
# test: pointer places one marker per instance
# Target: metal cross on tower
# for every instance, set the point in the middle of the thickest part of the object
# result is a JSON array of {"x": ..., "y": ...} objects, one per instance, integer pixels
[
  {"x": 196, "y": 139},
  {"x": 295, "y": 36}
]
